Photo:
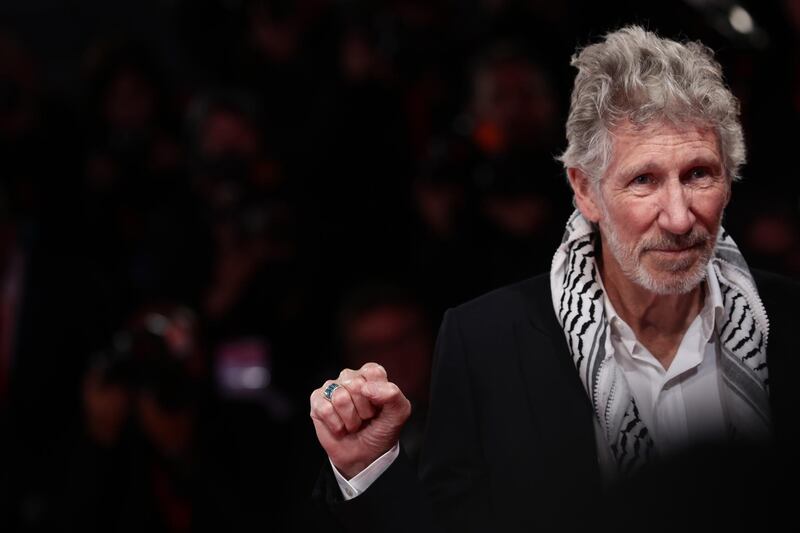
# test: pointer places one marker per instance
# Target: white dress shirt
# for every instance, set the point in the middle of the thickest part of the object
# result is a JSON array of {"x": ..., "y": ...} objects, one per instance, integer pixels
[{"x": 681, "y": 406}]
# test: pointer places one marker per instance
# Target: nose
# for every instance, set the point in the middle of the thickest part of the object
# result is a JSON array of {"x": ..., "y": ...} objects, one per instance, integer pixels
[{"x": 676, "y": 214}]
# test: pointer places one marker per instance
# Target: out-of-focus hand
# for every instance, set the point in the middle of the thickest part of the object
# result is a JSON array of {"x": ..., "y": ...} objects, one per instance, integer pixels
[{"x": 363, "y": 419}]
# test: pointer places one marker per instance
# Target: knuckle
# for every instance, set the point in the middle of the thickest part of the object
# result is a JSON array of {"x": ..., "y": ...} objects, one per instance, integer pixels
[
  {"x": 374, "y": 370},
  {"x": 340, "y": 399}
]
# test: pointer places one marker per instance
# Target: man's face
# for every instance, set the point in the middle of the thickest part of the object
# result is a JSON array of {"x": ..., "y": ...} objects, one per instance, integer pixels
[{"x": 659, "y": 206}]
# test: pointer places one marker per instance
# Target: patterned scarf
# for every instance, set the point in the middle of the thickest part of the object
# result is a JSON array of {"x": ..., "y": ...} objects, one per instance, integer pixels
[{"x": 741, "y": 335}]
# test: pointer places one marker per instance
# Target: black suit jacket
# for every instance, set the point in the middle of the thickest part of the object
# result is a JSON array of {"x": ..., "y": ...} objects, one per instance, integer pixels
[{"x": 510, "y": 442}]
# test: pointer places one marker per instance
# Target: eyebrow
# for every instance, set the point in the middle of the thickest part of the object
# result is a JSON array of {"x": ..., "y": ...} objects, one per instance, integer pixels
[{"x": 649, "y": 166}]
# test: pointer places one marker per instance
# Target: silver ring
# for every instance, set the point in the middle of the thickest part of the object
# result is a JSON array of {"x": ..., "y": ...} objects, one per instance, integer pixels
[{"x": 328, "y": 392}]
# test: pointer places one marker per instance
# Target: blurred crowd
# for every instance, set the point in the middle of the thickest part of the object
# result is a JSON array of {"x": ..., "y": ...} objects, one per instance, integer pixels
[{"x": 198, "y": 227}]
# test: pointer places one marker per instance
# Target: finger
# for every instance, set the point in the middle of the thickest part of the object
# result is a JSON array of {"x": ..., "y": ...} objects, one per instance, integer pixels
[
  {"x": 373, "y": 372},
  {"x": 384, "y": 394},
  {"x": 363, "y": 405},
  {"x": 343, "y": 405},
  {"x": 347, "y": 374},
  {"x": 324, "y": 435},
  {"x": 322, "y": 410}
]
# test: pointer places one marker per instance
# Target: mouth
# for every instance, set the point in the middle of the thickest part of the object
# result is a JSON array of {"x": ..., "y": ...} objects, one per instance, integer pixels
[
  {"x": 677, "y": 250},
  {"x": 673, "y": 251},
  {"x": 675, "y": 259}
]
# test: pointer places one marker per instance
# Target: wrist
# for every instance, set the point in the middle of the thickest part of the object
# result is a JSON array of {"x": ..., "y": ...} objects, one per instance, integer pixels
[{"x": 350, "y": 470}]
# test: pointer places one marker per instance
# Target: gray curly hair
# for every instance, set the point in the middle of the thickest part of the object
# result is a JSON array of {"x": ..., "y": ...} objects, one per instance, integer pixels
[{"x": 635, "y": 76}]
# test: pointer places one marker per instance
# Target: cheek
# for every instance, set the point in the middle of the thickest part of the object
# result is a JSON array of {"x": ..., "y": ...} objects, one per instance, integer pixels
[
  {"x": 708, "y": 208},
  {"x": 632, "y": 218}
]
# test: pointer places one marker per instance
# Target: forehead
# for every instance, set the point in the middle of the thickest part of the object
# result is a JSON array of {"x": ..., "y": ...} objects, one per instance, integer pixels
[{"x": 663, "y": 146}]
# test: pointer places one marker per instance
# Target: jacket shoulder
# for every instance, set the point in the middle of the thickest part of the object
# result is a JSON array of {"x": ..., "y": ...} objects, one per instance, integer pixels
[
  {"x": 773, "y": 286},
  {"x": 780, "y": 295},
  {"x": 525, "y": 299}
]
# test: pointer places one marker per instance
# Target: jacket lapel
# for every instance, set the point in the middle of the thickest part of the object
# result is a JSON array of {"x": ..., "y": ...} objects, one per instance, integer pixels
[{"x": 559, "y": 409}]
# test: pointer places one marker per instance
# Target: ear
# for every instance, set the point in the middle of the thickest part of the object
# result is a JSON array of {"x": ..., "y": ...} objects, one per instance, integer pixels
[{"x": 585, "y": 194}]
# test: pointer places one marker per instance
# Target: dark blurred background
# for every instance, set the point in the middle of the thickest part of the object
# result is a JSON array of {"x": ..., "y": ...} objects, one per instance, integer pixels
[{"x": 207, "y": 207}]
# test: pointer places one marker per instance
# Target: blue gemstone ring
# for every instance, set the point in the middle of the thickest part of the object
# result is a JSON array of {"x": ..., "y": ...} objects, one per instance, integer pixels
[{"x": 328, "y": 392}]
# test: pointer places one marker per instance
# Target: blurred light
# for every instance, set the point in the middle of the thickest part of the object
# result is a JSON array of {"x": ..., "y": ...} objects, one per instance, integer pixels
[
  {"x": 245, "y": 380},
  {"x": 156, "y": 324},
  {"x": 741, "y": 20},
  {"x": 254, "y": 377}
]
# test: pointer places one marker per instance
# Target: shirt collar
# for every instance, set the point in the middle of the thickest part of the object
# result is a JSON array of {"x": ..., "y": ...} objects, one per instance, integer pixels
[{"x": 713, "y": 309}]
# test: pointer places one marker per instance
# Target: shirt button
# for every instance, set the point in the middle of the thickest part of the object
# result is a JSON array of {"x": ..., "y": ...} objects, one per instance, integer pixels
[{"x": 349, "y": 492}]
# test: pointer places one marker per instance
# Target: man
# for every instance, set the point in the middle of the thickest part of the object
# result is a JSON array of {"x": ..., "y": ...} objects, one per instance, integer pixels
[{"x": 632, "y": 381}]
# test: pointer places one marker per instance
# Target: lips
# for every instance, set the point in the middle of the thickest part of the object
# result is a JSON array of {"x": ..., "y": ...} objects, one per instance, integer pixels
[
  {"x": 675, "y": 259},
  {"x": 677, "y": 250},
  {"x": 674, "y": 250}
]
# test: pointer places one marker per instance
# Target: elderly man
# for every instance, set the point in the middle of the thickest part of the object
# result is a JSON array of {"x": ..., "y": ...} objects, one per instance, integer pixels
[{"x": 649, "y": 339}]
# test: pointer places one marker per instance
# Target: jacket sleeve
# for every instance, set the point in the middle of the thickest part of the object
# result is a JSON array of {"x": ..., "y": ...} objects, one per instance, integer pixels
[{"x": 393, "y": 503}]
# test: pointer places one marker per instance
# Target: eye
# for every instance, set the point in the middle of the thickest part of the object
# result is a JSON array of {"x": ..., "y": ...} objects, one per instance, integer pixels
[
  {"x": 699, "y": 172},
  {"x": 643, "y": 179}
]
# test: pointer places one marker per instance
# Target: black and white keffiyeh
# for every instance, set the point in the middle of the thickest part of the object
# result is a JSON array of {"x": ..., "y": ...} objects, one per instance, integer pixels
[{"x": 741, "y": 335}]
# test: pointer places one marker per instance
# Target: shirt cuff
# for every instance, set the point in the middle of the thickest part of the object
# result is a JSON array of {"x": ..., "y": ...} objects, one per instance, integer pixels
[{"x": 362, "y": 481}]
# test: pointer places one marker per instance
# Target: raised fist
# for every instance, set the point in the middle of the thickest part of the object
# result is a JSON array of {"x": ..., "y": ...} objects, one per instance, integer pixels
[{"x": 362, "y": 419}]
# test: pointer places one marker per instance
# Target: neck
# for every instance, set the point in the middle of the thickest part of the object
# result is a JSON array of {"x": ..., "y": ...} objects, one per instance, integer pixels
[{"x": 659, "y": 321}]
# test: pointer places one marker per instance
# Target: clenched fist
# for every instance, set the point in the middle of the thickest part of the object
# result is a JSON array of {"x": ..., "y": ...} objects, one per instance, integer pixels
[{"x": 362, "y": 420}]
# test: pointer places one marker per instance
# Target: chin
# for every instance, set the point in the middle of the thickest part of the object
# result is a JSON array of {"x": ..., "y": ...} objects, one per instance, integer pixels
[{"x": 670, "y": 282}]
